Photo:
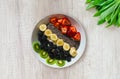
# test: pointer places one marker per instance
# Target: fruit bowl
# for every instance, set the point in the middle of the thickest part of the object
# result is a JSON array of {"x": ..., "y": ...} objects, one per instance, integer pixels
[{"x": 80, "y": 44}]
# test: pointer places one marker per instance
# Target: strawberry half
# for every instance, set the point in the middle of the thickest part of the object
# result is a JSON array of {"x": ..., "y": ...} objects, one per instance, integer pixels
[
  {"x": 60, "y": 20},
  {"x": 64, "y": 29},
  {"x": 57, "y": 25},
  {"x": 53, "y": 20},
  {"x": 77, "y": 36},
  {"x": 71, "y": 31},
  {"x": 66, "y": 22}
]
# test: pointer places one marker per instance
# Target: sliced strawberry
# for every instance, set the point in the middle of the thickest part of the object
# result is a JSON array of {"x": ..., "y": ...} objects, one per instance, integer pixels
[
  {"x": 71, "y": 31},
  {"x": 53, "y": 20},
  {"x": 57, "y": 25},
  {"x": 77, "y": 36},
  {"x": 66, "y": 22},
  {"x": 60, "y": 20},
  {"x": 64, "y": 29}
]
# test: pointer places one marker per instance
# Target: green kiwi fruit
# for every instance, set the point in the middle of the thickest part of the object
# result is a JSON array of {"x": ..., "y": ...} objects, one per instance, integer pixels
[
  {"x": 43, "y": 54},
  {"x": 60, "y": 63},
  {"x": 50, "y": 61},
  {"x": 36, "y": 46}
]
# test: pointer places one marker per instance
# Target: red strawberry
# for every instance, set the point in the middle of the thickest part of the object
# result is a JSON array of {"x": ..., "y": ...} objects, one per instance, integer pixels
[
  {"x": 66, "y": 22},
  {"x": 77, "y": 36},
  {"x": 57, "y": 25},
  {"x": 60, "y": 20},
  {"x": 64, "y": 29},
  {"x": 53, "y": 20},
  {"x": 71, "y": 31}
]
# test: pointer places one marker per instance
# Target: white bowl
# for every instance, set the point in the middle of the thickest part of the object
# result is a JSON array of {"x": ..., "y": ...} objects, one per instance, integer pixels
[{"x": 75, "y": 23}]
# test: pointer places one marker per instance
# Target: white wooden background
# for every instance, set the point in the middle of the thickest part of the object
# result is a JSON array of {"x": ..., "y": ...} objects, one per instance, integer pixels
[{"x": 101, "y": 60}]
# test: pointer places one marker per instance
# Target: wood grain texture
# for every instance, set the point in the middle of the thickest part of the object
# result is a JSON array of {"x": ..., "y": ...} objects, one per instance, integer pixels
[{"x": 101, "y": 59}]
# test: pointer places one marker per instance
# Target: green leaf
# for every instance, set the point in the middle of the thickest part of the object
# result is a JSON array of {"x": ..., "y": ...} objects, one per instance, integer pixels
[
  {"x": 103, "y": 9},
  {"x": 88, "y": 1},
  {"x": 91, "y": 5},
  {"x": 119, "y": 19},
  {"x": 105, "y": 3},
  {"x": 115, "y": 13},
  {"x": 107, "y": 12},
  {"x": 101, "y": 21},
  {"x": 108, "y": 18}
]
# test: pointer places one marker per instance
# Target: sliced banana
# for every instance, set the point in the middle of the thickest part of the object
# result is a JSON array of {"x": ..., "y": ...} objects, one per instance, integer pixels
[
  {"x": 60, "y": 42},
  {"x": 66, "y": 46},
  {"x": 72, "y": 48},
  {"x": 48, "y": 32},
  {"x": 53, "y": 37},
  {"x": 42, "y": 27},
  {"x": 73, "y": 52}
]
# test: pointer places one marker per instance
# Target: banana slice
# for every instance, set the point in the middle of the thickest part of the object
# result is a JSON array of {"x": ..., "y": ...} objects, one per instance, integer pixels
[
  {"x": 60, "y": 42},
  {"x": 53, "y": 37},
  {"x": 48, "y": 32},
  {"x": 66, "y": 46},
  {"x": 73, "y": 52},
  {"x": 42, "y": 27}
]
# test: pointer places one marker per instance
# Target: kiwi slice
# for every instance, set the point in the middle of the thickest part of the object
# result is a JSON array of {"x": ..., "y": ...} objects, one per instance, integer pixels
[
  {"x": 50, "y": 61},
  {"x": 36, "y": 46},
  {"x": 43, "y": 54},
  {"x": 60, "y": 63}
]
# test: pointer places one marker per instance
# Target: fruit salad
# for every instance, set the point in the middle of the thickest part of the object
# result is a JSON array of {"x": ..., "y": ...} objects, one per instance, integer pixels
[{"x": 57, "y": 41}]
